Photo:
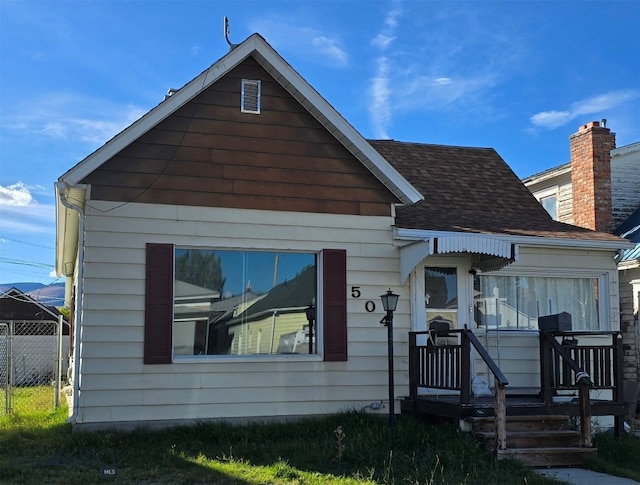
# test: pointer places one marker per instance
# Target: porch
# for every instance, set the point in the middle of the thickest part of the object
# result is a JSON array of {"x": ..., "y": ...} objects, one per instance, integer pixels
[{"x": 440, "y": 386}]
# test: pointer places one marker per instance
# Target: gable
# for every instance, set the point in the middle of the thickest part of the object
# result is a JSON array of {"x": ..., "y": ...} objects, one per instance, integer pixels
[
  {"x": 17, "y": 305},
  {"x": 209, "y": 153}
]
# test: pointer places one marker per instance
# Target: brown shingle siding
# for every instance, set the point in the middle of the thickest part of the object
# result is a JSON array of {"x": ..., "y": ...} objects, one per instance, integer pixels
[{"x": 209, "y": 153}]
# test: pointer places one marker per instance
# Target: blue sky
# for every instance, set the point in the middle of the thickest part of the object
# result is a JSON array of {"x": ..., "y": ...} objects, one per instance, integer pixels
[{"x": 518, "y": 76}]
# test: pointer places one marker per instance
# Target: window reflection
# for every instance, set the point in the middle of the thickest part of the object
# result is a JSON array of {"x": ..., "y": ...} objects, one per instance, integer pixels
[
  {"x": 441, "y": 295},
  {"x": 243, "y": 302}
]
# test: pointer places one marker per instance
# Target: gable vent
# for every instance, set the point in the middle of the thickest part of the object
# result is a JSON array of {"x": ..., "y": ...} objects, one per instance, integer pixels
[{"x": 250, "y": 102}]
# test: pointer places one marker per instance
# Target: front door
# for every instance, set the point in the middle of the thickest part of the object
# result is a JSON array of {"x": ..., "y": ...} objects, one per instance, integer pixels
[
  {"x": 442, "y": 293},
  {"x": 441, "y": 296}
]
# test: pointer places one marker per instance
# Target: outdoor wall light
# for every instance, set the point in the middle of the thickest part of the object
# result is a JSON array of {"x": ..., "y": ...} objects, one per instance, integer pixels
[
  {"x": 310, "y": 312},
  {"x": 390, "y": 303}
]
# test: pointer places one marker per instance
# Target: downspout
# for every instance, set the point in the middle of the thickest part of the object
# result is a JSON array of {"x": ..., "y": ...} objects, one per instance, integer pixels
[{"x": 61, "y": 186}]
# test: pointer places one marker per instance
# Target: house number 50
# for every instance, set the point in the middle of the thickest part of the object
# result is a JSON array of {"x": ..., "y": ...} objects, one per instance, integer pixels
[{"x": 369, "y": 305}]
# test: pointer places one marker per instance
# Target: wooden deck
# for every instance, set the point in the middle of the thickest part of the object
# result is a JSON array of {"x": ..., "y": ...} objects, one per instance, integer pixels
[
  {"x": 450, "y": 407},
  {"x": 440, "y": 388}
]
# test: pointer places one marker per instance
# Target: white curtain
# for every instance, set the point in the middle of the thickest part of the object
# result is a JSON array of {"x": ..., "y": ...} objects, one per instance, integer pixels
[{"x": 516, "y": 302}]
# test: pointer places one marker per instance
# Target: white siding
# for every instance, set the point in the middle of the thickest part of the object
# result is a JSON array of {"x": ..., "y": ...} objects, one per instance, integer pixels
[
  {"x": 117, "y": 387},
  {"x": 565, "y": 203},
  {"x": 629, "y": 323},
  {"x": 625, "y": 182}
]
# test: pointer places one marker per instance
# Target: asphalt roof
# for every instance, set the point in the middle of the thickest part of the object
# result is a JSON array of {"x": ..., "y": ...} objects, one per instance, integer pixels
[{"x": 469, "y": 189}]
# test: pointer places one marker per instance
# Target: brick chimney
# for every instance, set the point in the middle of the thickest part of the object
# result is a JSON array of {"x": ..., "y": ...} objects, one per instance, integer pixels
[{"x": 591, "y": 176}]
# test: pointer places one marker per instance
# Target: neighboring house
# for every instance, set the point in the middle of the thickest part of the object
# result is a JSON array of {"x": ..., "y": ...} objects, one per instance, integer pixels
[
  {"x": 301, "y": 225},
  {"x": 29, "y": 339},
  {"x": 600, "y": 189}
]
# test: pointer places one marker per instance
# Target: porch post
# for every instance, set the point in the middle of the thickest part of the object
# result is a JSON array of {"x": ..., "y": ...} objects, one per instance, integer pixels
[
  {"x": 500, "y": 416},
  {"x": 618, "y": 376},
  {"x": 545, "y": 369},
  {"x": 414, "y": 363},
  {"x": 585, "y": 414},
  {"x": 465, "y": 369}
]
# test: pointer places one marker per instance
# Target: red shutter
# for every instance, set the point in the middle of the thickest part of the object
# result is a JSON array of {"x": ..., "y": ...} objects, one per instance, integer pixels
[
  {"x": 334, "y": 315},
  {"x": 158, "y": 315}
]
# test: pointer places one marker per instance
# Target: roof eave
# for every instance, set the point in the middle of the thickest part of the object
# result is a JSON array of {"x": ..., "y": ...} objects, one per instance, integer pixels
[{"x": 547, "y": 175}]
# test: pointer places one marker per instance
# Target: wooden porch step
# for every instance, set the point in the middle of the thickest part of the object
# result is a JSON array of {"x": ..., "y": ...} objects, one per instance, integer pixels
[
  {"x": 521, "y": 423},
  {"x": 534, "y": 439},
  {"x": 548, "y": 457},
  {"x": 539, "y": 441}
]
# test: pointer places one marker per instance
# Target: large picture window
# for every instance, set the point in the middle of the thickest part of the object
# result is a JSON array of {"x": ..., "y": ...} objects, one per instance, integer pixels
[
  {"x": 209, "y": 302},
  {"x": 230, "y": 302},
  {"x": 516, "y": 302}
]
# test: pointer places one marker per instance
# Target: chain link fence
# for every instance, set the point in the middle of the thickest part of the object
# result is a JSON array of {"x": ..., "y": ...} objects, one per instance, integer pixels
[
  {"x": 5, "y": 402},
  {"x": 31, "y": 364}
]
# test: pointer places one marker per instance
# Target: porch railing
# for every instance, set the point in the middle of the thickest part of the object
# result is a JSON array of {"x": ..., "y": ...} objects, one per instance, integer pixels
[
  {"x": 569, "y": 365},
  {"x": 448, "y": 366}
]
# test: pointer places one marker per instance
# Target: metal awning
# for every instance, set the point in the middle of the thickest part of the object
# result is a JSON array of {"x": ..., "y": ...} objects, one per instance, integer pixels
[{"x": 490, "y": 254}]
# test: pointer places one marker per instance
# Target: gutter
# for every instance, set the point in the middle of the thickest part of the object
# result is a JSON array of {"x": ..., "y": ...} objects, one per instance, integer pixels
[{"x": 61, "y": 187}]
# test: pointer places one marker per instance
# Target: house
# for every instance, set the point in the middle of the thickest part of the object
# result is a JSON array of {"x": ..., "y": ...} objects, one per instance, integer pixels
[
  {"x": 600, "y": 189},
  {"x": 30, "y": 340},
  {"x": 300, "y": 224}
]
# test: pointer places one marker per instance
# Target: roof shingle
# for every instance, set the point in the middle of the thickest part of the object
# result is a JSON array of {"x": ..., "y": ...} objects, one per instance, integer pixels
[{"x": 469, "y": 189}]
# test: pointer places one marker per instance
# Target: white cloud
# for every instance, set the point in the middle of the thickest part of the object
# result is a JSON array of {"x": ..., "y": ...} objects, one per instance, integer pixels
[
  {"x": 552, "y": 119},
  {"x": 382, "y": 41},
  {"x": 95, "y": 131},
  {"x": 22, "y": 213},
  {"x": 442, "y": 81},
  {"x": 604, "y": 101},
  {"x": 70, "y": 116},
  {"x": 15, "y": 195},
  {"x": 440, "y": 93},
  {"x": 380, "y": 111},
  {"x": 391, "y": 19},
  {"x": 444, "y": 70},
  {"x": 593, "y": 105},
  {"x": 307, "y": 42},
  {"x": 330, "y": 49}
]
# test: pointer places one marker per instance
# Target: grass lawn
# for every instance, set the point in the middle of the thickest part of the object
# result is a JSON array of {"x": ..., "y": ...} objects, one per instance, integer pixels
[
  {"x": 617, "y": 457},
  {"x": 349, "y": 448}
]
